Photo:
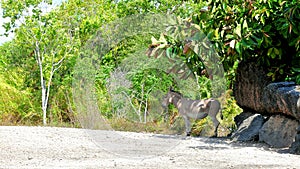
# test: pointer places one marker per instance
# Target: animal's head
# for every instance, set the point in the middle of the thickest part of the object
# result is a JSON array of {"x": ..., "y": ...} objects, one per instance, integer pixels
[{"x": 168, "y": 98}]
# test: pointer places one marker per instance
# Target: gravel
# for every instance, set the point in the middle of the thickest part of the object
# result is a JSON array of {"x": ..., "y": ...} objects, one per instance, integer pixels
[{"x": 51, "y": 147}]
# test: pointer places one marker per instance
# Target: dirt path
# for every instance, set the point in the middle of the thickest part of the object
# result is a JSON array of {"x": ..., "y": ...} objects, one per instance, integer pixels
[{"x": 46, "y": 147}]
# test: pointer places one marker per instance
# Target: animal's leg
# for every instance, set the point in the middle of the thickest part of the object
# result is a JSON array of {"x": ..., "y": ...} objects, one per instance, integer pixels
[
  {"x": 213, "y": 111},
  {"x": 187, "y": 125},
  {"x": 216, "y": 125}
]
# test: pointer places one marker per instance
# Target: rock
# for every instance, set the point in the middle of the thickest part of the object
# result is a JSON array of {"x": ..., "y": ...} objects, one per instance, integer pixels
[
  {"x": 295, "y": 147},
  {"x": 282, "y": 97},
  {"x": 253, "y": 90},
  {"x": 278, "y": 131},
  {"x": 251, "y": 79},
  {"x": 241, "y": 117},
  {"x": 249, "y": 128}
]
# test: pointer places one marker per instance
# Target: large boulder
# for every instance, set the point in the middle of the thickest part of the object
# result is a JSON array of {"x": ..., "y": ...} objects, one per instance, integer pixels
[
  {"x": 251, "y": 79},
  {"x": 249, "y": 129},
  {"x": 282, "y": 97},
  {"x": 254, "y": 90},
  {"x": 278, "y": 131}
]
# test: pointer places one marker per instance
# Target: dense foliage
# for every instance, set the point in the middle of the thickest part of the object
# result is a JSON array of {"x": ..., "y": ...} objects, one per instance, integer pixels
[{"x": 265, "y": 31}]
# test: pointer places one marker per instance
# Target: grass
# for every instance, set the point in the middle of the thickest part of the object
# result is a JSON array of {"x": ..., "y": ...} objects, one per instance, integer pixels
[
  {"x": 121, "y": 124},
  {"x": 174, "y": 124}
]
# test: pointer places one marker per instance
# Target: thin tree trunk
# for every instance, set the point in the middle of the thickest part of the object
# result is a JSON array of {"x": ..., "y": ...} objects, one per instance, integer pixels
[
  {"x": 43, "y": 86},
  {"x": 145, "y": 110}
]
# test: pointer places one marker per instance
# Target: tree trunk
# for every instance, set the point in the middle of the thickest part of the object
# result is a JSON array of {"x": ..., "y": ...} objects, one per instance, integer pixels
[{"x": 39, "y": 60}]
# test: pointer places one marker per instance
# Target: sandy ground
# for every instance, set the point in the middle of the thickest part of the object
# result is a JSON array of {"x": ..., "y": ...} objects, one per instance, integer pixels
[{"x": 48, "y": 147}]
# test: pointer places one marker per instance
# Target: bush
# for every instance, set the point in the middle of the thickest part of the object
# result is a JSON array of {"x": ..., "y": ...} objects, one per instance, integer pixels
[
  {"x": 267, "y": 31},
  {"x": 16, "y": 106}
]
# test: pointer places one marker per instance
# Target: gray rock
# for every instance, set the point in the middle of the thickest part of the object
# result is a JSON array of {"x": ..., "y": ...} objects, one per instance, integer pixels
[
  {"x": 251, "y": 79},
  {"x": 241, "y": 117},
  {"x": 249, "y": 128},
  {"x": 254, "y": 90},
  {"x": 282, "y": 97},
  {"x": 295, "y": 147},
  {"x": 278, "y": 131}
]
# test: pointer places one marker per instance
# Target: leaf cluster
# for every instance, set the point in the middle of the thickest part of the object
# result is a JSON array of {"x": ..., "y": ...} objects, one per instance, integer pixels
[{"x": 265, "y": 31}]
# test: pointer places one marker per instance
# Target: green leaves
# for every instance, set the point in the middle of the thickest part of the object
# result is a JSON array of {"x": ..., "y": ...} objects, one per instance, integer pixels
[
  {"x": 267, "y": 31},
  {"x": 182, "y": 44},
  {"x": 274, "y": 53},
  {"x": 16, "y": 9},
  {"x": 238, "y": 30},
  {"x": 262, "y": 30}
]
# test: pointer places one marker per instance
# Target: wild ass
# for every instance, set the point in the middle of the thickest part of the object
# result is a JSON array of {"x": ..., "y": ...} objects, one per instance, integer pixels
[{"x": 196, "y": 109}]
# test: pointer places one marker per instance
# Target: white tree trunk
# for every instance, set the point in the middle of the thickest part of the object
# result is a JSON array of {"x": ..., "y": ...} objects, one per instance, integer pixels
[
  {"x": 39, "y": 60},
  {"x": 51, "y": 48}
]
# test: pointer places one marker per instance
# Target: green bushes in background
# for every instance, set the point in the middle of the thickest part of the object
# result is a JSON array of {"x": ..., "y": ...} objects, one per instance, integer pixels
[{"x": 265, "y": 31}]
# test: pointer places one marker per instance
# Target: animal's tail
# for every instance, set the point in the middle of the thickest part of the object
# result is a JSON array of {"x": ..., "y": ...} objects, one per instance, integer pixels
[
  {"x": 221, "y": 115},
  {"x": 221, "y": 110}
]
